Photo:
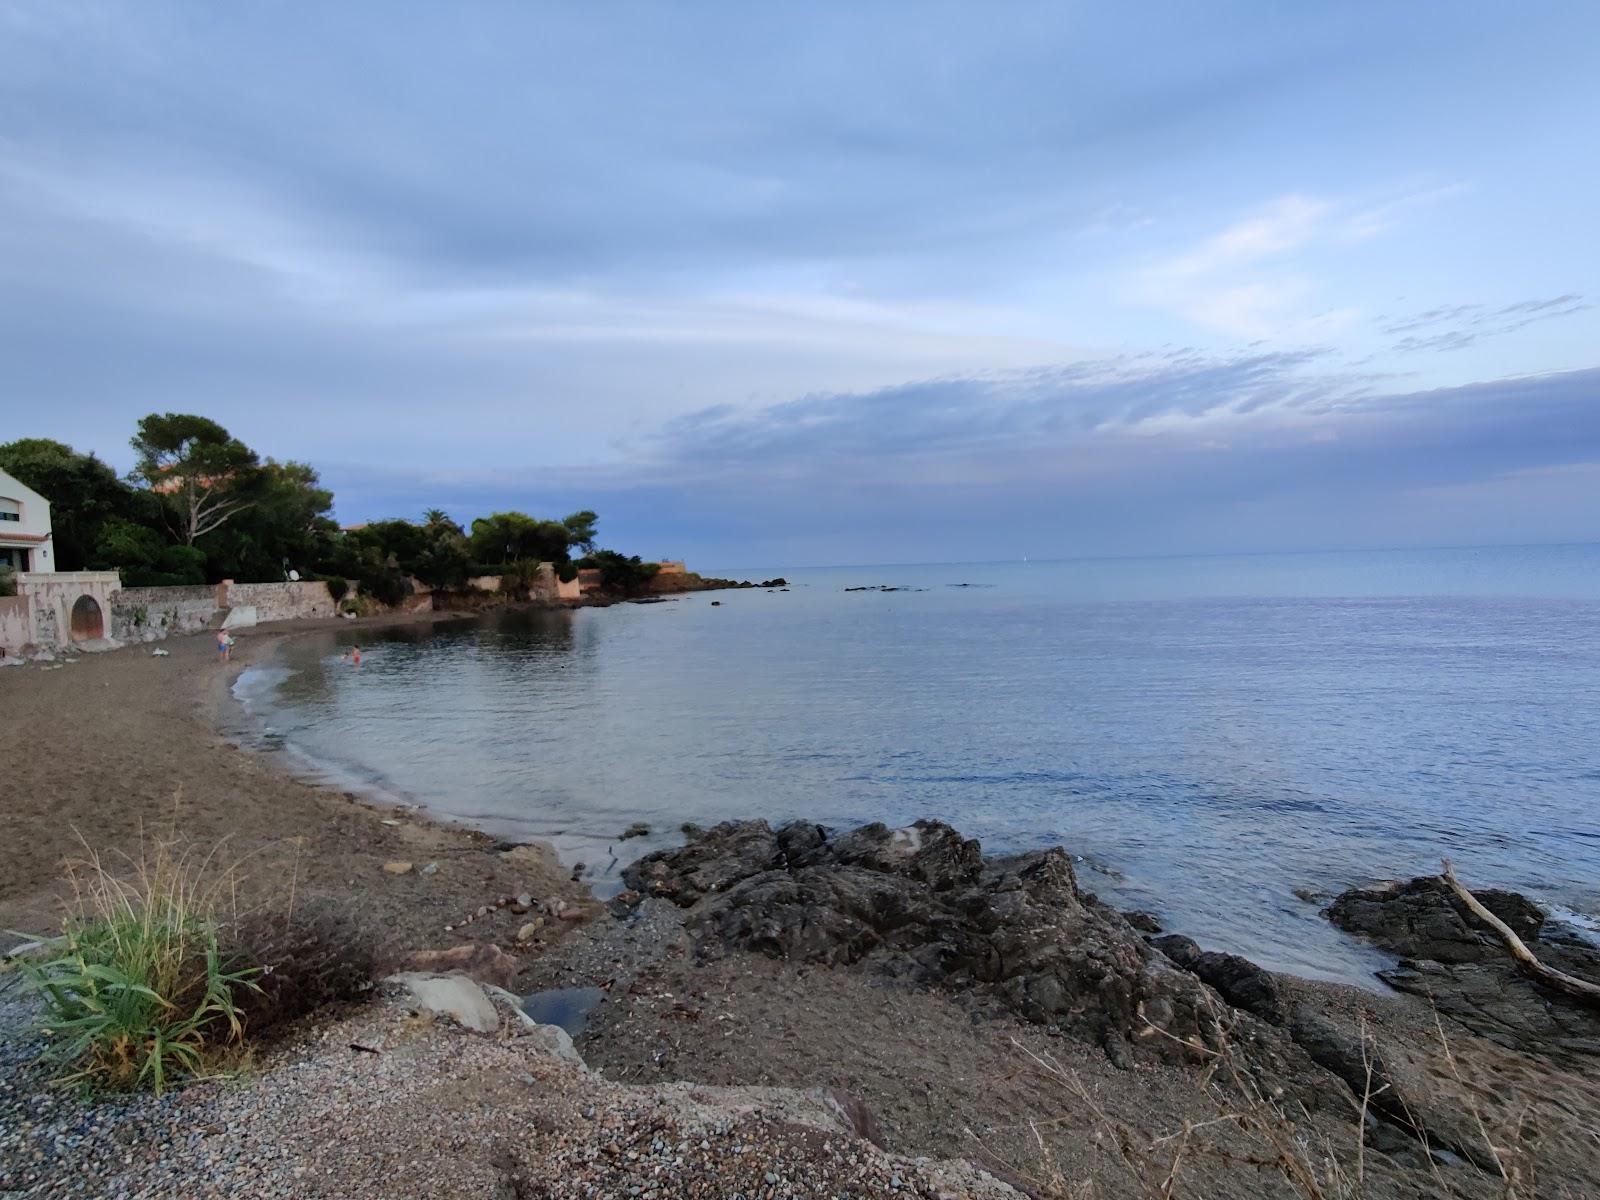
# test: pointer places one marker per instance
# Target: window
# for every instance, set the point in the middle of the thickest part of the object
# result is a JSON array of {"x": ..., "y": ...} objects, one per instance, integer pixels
[{"x": 10, "y": 510}]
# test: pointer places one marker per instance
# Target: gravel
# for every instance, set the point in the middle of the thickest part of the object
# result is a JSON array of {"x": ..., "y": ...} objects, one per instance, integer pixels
[{"x": 426, "y": 1108}]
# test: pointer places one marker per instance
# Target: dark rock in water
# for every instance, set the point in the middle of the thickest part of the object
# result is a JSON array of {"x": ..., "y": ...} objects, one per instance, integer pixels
[
  {"x": 1424, "y": 919},
  {"x": 1237, "y": 980},
  {"x": 636, "y": 830},
  {"x": 1466, "y": 972},
  {"x": 922, "y": 904},
  {"x": 1142, "y": 921}
]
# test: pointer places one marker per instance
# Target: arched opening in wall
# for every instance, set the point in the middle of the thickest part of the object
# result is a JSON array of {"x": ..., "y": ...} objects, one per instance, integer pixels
[{"x": 87, "y": 621}]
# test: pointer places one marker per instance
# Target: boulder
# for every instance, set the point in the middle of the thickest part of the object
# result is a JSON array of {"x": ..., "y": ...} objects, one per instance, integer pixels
[
  {"x": 454, "y": 996},
  {"x": 1424, "y": 919},
  {"x": 1463, "y": 969},
  {"x": 483, "y": 962}
]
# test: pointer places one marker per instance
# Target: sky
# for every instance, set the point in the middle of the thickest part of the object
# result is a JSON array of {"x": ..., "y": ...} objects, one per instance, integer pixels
[{"x": 790, "y": 284}]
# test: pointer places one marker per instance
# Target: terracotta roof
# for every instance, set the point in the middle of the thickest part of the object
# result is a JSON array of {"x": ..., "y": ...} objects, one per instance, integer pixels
[{"x": 31, "y": 538}]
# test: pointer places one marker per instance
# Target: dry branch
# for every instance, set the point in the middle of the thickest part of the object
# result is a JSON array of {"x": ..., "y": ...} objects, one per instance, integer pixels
[{"x": 1525, "y": 958}]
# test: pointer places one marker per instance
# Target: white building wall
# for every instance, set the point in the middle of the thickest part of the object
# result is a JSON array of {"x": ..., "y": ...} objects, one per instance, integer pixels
[{"x": 31, "y": 531}]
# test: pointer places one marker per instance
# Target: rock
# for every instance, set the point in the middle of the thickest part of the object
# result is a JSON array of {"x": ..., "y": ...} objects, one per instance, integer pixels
[
  {"x": 1424, "y": 919},
  {"x": 571, "y": 914},
  {"x": 431, "y": 869},
  {"x": 853, "y": 1114},
  {"x": 923, "y": 905},
  {"x": 483, "y": 962},
  {"x": 1465, "y": 971},
  {"x": 1237, "y": 980},
  {"x": 531, "y": 930},
  {"x": 551, "y": 1040},
  {"x": 624, "y": 902},
  {"x": 397, "y": 868},
  {"x": 454, "y": 996},
  {"x": 637, "y": 830},
  {"x": 160, "y": 653},
  {"x": 1142, "y": 921}
]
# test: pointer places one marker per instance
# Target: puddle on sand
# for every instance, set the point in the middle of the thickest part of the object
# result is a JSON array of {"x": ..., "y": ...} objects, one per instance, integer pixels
[{"x": 566, "y": 1007}]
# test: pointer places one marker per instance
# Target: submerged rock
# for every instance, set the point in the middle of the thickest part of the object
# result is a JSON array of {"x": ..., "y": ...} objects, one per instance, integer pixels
[
  {"x": 922, "y": 904},
  {"x": 1448, "y": 956}
]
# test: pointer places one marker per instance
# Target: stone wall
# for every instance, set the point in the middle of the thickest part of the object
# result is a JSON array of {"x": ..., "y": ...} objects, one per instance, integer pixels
[
  {"x": 149, "y": 614},
  {"x": 15, "y": 628},
  {"x": 283, "y": 601}
]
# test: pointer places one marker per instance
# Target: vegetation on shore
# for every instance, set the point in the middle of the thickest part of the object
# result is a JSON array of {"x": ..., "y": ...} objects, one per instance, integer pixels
[
  {"x": 156, "y": 977},
  {"x": 200, "y": 506}
]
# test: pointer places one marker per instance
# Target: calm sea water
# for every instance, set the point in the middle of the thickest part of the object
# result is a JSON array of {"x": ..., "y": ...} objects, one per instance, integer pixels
[{"x": 1209, "y": 734}]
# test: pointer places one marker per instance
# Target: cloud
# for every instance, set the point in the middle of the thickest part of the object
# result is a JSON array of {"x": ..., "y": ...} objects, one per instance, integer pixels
[
  {"x": 1175, "y": 453},
  {"x": 1250, "y": 281},
  {"x": 1458, "y": 326}
]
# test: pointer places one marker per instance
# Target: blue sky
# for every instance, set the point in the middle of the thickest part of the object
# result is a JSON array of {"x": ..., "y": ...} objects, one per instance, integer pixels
[{"x": 810, "y": 283}]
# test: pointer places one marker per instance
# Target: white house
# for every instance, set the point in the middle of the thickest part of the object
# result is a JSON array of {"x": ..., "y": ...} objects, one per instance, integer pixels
[
  {"x": 52, "y": 609},
  {"x": 24, "y": 528}
]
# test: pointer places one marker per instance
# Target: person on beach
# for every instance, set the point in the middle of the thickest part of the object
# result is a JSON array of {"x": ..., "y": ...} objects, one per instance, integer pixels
[{"x": 224, "y": 646}]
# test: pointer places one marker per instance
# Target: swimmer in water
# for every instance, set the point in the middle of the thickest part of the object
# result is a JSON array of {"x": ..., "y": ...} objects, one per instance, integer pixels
[{"x": 355, "y": 657}]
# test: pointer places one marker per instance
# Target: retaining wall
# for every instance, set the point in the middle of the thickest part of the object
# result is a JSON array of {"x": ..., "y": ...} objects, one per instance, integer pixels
[
  {"x": 283, "y": 601},
  {"x": 151, "y": 613}
]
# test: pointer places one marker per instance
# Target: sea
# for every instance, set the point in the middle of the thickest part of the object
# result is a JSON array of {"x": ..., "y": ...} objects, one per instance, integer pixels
[{"x": 1222, "y": 741}]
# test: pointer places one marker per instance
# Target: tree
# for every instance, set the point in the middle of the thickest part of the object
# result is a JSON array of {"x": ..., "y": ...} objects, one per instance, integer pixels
[
  {"x": 445, "y": 558},
  {"x": 285, "y": 526},
  {"x": 509, "y": 537},
  {"x": 580, "y": 529},
  {"x": 202, "y": 473},
  {"x": 619, "y": 574},
  {"x": 84, "y": 493}
]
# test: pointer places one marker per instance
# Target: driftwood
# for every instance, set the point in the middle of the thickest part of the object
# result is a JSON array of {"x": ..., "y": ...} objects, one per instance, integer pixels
[{"x": 1525, "y": 958}]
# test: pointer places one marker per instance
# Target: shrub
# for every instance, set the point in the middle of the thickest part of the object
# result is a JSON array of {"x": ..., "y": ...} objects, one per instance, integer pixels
[
  {"x": 137, "y": 994},
  {"x": 567, "y": 572},
  {"x": 152, "y": 983},
  {"x": 386, "y": 585},
  {"x": 305, "y": 960},
  {"x": 338, "y": 586},
  {"x": 517, "y": 578}
]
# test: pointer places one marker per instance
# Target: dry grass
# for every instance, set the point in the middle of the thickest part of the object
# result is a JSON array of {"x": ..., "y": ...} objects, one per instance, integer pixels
[{"x": 1261, "y": 1132}]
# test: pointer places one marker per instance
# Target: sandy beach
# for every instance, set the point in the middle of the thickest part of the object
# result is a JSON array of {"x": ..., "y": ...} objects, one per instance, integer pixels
[{"x": 128, "y": 744}]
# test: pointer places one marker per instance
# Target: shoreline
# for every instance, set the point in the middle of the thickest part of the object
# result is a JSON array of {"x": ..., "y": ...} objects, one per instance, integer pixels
[
  {"x": 693, "y": 990},
  {"x": 126, "y": 747}
]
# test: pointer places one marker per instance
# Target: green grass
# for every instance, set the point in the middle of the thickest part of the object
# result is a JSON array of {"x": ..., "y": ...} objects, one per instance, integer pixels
[{"x": 136, "y": 993}]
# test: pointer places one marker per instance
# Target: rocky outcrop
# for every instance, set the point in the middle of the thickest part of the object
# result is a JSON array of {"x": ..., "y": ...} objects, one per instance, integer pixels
[
  {"x": 923, "y": 905},
  {"x": 1424, "y": 919},
  {"x": 1453, "y": 959},
  {"x": 1237, "y": 980}
]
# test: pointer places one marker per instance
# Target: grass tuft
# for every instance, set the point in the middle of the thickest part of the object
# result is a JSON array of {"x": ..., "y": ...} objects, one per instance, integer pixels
[{"x": 136, "y": 991}]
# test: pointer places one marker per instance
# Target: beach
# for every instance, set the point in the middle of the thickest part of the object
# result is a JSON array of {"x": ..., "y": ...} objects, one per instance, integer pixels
[
  {"x": 952, "y": 1069},
  {"x": 130, "y": 746}
]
